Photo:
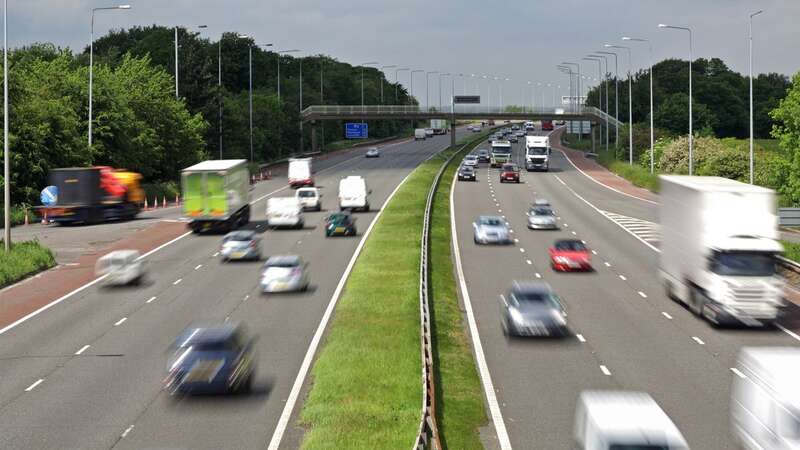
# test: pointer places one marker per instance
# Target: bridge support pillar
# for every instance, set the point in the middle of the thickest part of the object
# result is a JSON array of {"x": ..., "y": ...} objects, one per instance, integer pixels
[
  {"x": 593, "y": 128},
  {"x": 314, "y": 145},
  {"x": 453, "y": 133}
]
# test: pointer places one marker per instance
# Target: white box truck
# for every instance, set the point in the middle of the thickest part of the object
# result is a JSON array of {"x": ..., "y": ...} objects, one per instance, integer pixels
[
  {"x": 300, "y": 173},
  {"x": 537, "y": 153},
  {"x": 353, "y": 193},
  {"x": 439, "y": 126},
  {"x": 718, "y": 249},
  {"x": 420, "y": 134},
  {"x": 216, "y": 195},
  {"x": 765, "y": 398}
]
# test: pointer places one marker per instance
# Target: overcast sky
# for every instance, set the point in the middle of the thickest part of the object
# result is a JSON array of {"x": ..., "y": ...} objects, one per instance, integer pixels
[{"x": 518, "y": 39}]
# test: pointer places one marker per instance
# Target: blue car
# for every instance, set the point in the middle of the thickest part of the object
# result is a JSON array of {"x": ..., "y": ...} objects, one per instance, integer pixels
[{"x": 215, "y": 359}]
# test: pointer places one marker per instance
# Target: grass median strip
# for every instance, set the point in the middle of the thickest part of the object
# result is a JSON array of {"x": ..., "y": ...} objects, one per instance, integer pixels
[
  {"x": 367, "y": 386},
  {"x": 24, "y": 259}
]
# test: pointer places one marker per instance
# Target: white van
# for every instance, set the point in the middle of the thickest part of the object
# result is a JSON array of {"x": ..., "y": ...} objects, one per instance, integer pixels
[
  {"x": 765, "y": 399},
  {"x": 353, "y": 193},
  {"x": 606, "y": 420},
  {"x": 310, "y": 198},
  {"x": 300, "y": 173},
  {"x": 121, "y": 267},
  {"x": 420, "y": 134},
  {"x": 285, "y": 212}
]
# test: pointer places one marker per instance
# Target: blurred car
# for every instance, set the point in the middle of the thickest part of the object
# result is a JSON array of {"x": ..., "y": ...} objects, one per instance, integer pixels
[
  {"x": 339, "y": 224},
  {"x": 532, "y": 309},
  {"x": 513, "y": 138},
  {"x": 310, "y": 198},
  {"x": 515, "y": 127},
  {"x": 484, "y": 156},
  {"x": 520, "y": 133},
  {"x": 284, "y": 273},
  {"x": 466, "y": 173},
  {"x": 476, "y": 129},
  {"x": 490, "y": 230},
  {"x": 471, "y": 160},
  {"x": 509, "y": 172},
  {"x": 428, "y": 132},
  {"x": 373, "y": 152},
  {"x": 212, "y": 359},
  {"x": 541, "y": 202},
  {"x": 547, "y": 125},
  {"x": 542, "y": 218},
  {"x": 120, "y": 268},
  {"x": 570, "y": 255},
  {"x": 242, "y": 244}
]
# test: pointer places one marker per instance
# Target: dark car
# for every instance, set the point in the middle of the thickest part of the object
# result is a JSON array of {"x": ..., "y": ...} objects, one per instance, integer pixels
[
  {"x": 339, "y": 224},
  {"x": 532, "y": 309},
  {"x": 212, "y": 359},
  {"x": 484, "y": 156},
  {"x": 509, "y": 172},
  {"x": 466, "y": 173},
  {"x": 513, "y": 138}
]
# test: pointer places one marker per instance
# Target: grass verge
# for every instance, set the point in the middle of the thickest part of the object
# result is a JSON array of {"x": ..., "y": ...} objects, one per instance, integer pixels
[
  {"x": 24, "y": 259},
  {"x": 791, "y": 250},
  {"x": 636, "y": 174},
  {"x": 366, "y": 390}
]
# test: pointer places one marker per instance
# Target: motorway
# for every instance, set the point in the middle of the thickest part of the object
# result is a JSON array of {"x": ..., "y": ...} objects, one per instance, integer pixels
[
  {"x": 626, "y": 333},
  {"x": 87, "y": 373}
]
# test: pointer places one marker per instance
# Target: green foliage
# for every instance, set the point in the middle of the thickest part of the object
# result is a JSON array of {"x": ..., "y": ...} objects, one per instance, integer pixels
[
  {"x": 641, "y": 141},
  {"x": 160, "y": 191},
  {"x": 787, "y": 132},
  {"x": 791, "y": 250},
  {"x": 636, "y": 174},
  {"x": 24, "y": 259},
  {"x": 673, "y": 116}
]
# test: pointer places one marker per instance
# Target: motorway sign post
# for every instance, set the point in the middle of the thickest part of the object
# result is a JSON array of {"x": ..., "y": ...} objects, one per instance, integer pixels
[{"x": 356, "y": 130}]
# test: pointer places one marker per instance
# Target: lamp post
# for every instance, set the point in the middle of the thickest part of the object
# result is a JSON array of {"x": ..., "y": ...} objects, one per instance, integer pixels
[
  {"x": 371, "y": 63},
  {"x": 177, "y": 95},
  {"x": 427, "y": 82},
  {"x": 530, "y": 83},
  {"x": 250, "y": 95},
  {"x": 600, "y": 91},
  {"x": 446, "y": 74},
  {"x": 396, "y": 83},
  {"x": 630, "y": 102},
  {"x": 91, "y": 63},
  {"x": 616, "y": 93},
  {"x": 750, "y": 42},
  {"x": 652, "y": 132},
  {"x": 412, "y": 81},
  {"x": 385, "y": 67},
  {"x": 6, "y": 158},
  {"x": 605, "y": 82},
  {"x": 691, "y": 132},
  {"x": 279, "y": 53}
]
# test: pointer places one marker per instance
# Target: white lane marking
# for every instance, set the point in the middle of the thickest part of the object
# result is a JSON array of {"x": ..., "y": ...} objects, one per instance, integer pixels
[
  {"x": 538, "y": 275},
  {"x": 529, "y": 261},
  {"x": 151, "y": 299},
  {"x": 580, "y": 337},
  {"x": 608, "y": 264},
  {"x": 246, "y": 297},
  {"x": 600, "y": 211},
  {"x": 738, "y": 372},
  {"x": 33, "y": 386},
  {"x": 559, "y": 217},
  {"x": 605, "y": 370},
  {"x": 566, "y": 225},
  {"x": 516, "y": 240},
  {"x": 177, "y": 282},
  {"x": 522, "y": 250},
  {"x": 83, "y": 349},
  {"x": 499, "y": 210},
  {"x": 227, "y": 318},
  {"x": 80, "y": 289},
  {"x": 698, "y": 340},
  {"x": 666, "y": 314},
  {"x": 120, "y": 321},
  {"x": 510, "y": 231},
  {"x": 583, "y": 242},
  {"x": 127, "y": 430},
  {"x": 642, "y": 294},
  {"x": 789, "y": 332},
  {"x": 286, "y": 414},
  {"x": 198, "y": 266},
  {"x": 604, "y": 185},
  {"x": 215, "y": 254},
  {"x": 483, "y": 368},
  {"x": 574, "y": 233},
  {"x": 622, "y": 277},
  {"x": 594, "y": 252}
]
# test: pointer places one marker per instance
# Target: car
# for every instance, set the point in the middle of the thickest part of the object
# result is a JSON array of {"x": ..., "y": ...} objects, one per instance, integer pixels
[
  {"x": 542, "y": 218},
  {"x": 520, "y": 134},
  {"x": 339, "y": 224},
  {"x": 429, "y": 132},
  {"x": 284, "y": 273},
  {"x": 513, "y": 138},
  {"x": 484, "y": 156},
  {"x": 211, "y": 359},
  {"x": 120, "y": 268},
  {"x": 466, "y": 173},
  {"x": 509, "y": 172},
  {"x": 547, "y": 125},
  {"x": 568, "y": 255},
  {"x": 476, "y": 129},
  {"x": 541, "y": 202},
  {"x": 239, "y": 245},
  {"x": 491, "y": 230},
  {"x": 310, "y": 198},
  {"x": 515, "y": 127},
  {"x": 471, "y": 160},
  {"x": 532, "y": 309},
  {"x": 373, "y": 152}
]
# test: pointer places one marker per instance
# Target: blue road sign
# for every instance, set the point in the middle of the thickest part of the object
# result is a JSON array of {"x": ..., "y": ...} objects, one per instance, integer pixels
[
  {"x": 356, "y": 130},
  {"x": 49, "y": 196}
]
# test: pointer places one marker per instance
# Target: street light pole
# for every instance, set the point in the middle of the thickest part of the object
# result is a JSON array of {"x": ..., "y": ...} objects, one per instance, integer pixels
[
  {"x": 600, "y": 91},
  {"x": 652, "y": 132},
  {"x": 91, "y": 63},
  {"x": 616, "y": 94},
  {"x": 630, "y": 102},
  {"x": 362, "y": 80},
  {"x": 750, "y": 42},
  {"x": 6, "y": 148},
  {"x": 412, "y": 82},
  {"x": 691, "y": 132},
  {"x": 385, "y": 67},
  {"x": 279, "y": 53},
  {"x": 396, "y": 82},
  {"x": 440, "y": 87},
  {"x": 250, "y": 95},
  {"x": 427, "y": 77}
]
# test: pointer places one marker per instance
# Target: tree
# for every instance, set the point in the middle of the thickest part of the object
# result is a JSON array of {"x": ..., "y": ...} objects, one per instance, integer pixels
[
  {"x": 787, "y": 132},
  {"x": 673, "y": 115}
]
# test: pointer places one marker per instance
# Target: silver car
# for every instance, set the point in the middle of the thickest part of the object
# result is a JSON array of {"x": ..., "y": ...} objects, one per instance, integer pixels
[
  {"x": 373, "y": 152},
  {"x": 471, "y": 160},
  {"x": 491, "y": 230},
  {"x": 532, "y": 309},
  {"x": 542, "y": 218},
  {"x": 243, "y": 244},
  {"x": 284, "y": 274},
  {"x": 541, "y": 202}
]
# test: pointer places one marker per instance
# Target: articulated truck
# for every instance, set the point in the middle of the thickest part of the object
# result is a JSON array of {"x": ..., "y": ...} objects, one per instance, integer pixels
[
  {"x": 719, "y": 247},
  {"x": 216, "y": 195},
  {"x": 94, "y": 194}
]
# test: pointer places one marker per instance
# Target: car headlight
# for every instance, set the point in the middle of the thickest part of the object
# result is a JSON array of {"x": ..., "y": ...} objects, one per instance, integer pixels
[
  {"x": 515, "y": 315},
  {"x": 561, "y": 260}
]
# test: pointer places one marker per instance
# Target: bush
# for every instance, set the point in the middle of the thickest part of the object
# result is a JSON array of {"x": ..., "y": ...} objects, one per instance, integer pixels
[
  {"x": 168, "y": 189},
  {"x": 24, "y": 259},
  {"x": 17, "y": 215}
]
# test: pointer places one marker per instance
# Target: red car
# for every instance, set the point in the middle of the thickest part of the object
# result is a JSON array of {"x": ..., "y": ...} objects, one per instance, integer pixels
[
  {"x": 569, "y": 255},
  {"x": 509, "y": 172},
  {"x": 547, "y": 125}
]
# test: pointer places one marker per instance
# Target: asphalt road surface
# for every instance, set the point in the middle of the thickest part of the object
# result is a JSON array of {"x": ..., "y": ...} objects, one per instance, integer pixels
[
  {"x": 101, "y": 355},
  {"x": 626, "y": 333}
]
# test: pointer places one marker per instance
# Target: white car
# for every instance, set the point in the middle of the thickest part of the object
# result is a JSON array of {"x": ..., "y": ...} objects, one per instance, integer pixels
[
  {"x": 284, "y": 274},
  {"x": 120, "y": 267},
  {"x": 373, "y": 152},
  {"x": 428, "y": 132},
  {"x": 471, "y": 160},
  {"x": 310, "y": 198}
]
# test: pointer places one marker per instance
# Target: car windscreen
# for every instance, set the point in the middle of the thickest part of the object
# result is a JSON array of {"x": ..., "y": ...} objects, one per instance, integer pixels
[
  {"x": 467, "y": 169},
  {"x": 570, "y": 246},
  {"x": 470, "y": 158},
  {"x": 537, "y": 151},
  {"x": 509, "y": 168},
  {"x": 239, "y": 237},
  {"x": 542, "y": 212},
  {"x": 491, "y": 221},
  {"x": 338, "y": 220},
  {"x": 534, "y": 299},
  {"x": 306, "y": 194},
  {"x": 742, "y": 264},
  {"x": 282, "y": 263},
  {"x": 639, "y": 447}
]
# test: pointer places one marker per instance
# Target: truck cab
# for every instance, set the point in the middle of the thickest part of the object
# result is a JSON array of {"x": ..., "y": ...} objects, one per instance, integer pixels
[
  {"x": 501, "y": 153},
  {"x": 537, "y": 153}
]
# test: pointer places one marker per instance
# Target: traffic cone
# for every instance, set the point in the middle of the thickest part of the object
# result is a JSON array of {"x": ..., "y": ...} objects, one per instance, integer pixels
[
  {"x": 155, "y": 202},
  {"x": 145, "y": 203},
  {"x": 26, "y": 217},
  {"x": 164, "y": 202},
  {"x": 177, "y": 199},
  {"x": 44, "y": 217}
]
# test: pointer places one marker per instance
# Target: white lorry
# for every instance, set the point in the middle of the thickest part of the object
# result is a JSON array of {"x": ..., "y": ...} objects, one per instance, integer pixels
[
  {"x": 765, "y": 399},
  {"x": 537, "y": 153},
  {"x": 353, "y": 193},
  {"x": 719, "y": 247},
  {"x": 300, "y": 173},
  {"x": 285, "y": 212},
  {"x": 439, "y": 126},
  {"x": 420, "y": 134}
]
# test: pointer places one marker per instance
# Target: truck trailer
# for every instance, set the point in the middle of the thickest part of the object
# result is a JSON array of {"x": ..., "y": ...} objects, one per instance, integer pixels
[
  {"x": 216, "y": 195},
  {"x": 439, "y": 126},
  {"x": 718, "y": 249}
]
